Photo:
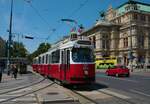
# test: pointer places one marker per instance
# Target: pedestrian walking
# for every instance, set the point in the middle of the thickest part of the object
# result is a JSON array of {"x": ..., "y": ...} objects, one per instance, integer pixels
[
  {"x": 15, "y": 71},
  {"x": 8, "y": 72},
  {"x": 11, "y": 70},
  {"x": 1, "y": 71}
]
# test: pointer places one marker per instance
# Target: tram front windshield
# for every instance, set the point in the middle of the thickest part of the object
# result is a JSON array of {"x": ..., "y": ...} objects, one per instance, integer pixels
[{"x": 82, "y": 55}]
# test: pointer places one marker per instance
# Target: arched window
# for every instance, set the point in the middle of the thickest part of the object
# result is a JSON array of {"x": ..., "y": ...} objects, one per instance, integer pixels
[
  {"x": 125, "y": 42},
  {"x": 105, "y": 41},
  {"x": 94, "y": 41}
]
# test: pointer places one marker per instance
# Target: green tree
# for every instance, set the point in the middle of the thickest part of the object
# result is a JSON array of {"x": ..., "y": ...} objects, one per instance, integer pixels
[
  {"x": 2, "y": 47},
  {"x": 18, "y": 50},
  {"x": 43, "y": 47}
]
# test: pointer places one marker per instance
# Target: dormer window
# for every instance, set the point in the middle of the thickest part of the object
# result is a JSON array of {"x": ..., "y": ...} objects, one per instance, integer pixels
[
  {"x": 135, "y": 7},
  {"x": 127, "y": 8},
  {"x": 131, "y": 7}
]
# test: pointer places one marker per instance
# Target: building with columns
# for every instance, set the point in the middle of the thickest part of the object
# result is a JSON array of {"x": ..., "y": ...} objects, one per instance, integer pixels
[{"x": 124, "y": 32}]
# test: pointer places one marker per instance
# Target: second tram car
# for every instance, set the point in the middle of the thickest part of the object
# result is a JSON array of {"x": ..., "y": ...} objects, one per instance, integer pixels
[{"x": 71, "y": 62}]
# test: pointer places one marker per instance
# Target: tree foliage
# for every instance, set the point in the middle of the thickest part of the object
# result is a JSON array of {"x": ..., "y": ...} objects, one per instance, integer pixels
[
  {"x": 18, "y": 50},
  {"x": 2, "y": 47},
  {"x": 43, "y": 47}
]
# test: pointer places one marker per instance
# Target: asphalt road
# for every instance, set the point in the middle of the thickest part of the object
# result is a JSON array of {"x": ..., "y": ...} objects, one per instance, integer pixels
[
  {"x": 137, "y": 86},
  {"x": 107, "y": 90}
]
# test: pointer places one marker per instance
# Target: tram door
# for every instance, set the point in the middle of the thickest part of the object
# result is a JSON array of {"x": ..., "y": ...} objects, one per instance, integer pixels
[{"x": 65, "y": 64}]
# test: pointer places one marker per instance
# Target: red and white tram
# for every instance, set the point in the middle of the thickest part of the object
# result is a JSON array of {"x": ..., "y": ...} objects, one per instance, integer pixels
[{"x": 71, "y": 62}]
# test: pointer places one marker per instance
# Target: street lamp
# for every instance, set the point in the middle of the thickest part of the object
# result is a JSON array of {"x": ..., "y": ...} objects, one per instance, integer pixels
[
  {"x": 10, "y": 38},
  {"x": 29, "y": 37}
]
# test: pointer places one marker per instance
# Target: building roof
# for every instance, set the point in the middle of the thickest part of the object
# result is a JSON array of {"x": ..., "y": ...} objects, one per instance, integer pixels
[
  {"x": 133, "y": 2},
  {"x": 101, "y": 23},
  {"x": 104, "y": 23},
  {"x": 143, "y": 7}
]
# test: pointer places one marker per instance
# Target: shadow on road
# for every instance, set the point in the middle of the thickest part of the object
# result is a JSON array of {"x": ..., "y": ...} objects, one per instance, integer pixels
[{"x": 90, "y": 87}]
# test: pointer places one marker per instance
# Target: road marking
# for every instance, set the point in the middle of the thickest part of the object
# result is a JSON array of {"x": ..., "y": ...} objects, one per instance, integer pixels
[
  {"x": 14, "y": 95},
  {"x": 141, "y": 93},
  {"x": 2, "y": 99},
  {"x": 114, "y": 94},
  {"x": 21, "y": 90},
  {"x": 127, "y": 80},
  {"x": 28, "y": 98},
  {"x": 25, "y": 99},
  {"x": 146, "y": 78}
]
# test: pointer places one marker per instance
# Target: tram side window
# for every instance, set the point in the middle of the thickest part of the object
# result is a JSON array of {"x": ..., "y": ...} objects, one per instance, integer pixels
[
  {"x": 43, "y": 60},
  {"x": 46, "y": 58},
  {"x": 39, "y": 60},
  {"x": 68, "y": 56},
  {"x": 49, "y": 58},
  {"x": 62, "y": 57},
  {"x": 34, "y": 61},
  {"x": 55, "y": 56}
]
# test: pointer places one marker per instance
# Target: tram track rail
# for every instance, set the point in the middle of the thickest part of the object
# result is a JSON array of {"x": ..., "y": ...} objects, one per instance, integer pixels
[
  {"x": 22, "y": 87},
  {"x": 117, "y": 97},
  {"x": 26, "y": 93},
  {"x": 81, "y": 98},
  {"x": 84, "y": 99},
  {"x": 93, "y": 101}
]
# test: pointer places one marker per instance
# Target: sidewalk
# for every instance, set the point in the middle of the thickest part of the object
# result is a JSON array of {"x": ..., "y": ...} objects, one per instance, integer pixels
[
  {"x": 141, "y": 70},
  {"x": 53, "y": 94},
  {"x": 10, "y": 78},
  {"x": 7, "y": 78},
  {"x": 100, "y": 70}
]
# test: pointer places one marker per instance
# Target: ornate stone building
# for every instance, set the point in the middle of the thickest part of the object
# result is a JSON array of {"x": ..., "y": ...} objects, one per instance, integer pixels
[{"x": 124, "y": 33}]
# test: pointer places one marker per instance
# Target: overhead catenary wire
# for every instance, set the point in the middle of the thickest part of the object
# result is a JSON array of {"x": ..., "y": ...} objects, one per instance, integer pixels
[
  {"x": 28, "y": 36},
  {"x": 59, "y": 26},
  {"x": 80, "y": 6},
  {"x": 75, "y": 11},
  {"x": 37, "y": 12},
  {"x": 42, "y": 18},
  {"x": 71, "y": 14}
]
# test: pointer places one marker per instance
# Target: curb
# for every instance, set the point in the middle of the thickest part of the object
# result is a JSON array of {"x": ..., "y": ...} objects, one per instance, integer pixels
[
  {"x": 41, "y": 100},
  {"x": 36, "y": 74}
]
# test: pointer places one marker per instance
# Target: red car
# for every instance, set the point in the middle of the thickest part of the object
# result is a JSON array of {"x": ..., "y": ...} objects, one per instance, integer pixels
[{"x": 118, "y": 70}]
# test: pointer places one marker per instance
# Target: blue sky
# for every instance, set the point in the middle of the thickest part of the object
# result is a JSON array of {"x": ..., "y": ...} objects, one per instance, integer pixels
[{"x": 38, "y": 18}]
